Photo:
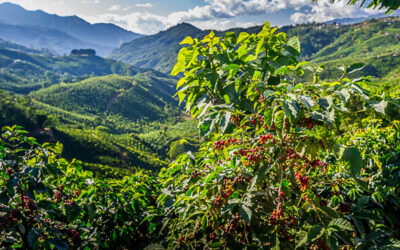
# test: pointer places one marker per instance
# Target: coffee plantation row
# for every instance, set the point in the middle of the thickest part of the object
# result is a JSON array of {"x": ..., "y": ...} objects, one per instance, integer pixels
[{"x": 285, "y": 164}]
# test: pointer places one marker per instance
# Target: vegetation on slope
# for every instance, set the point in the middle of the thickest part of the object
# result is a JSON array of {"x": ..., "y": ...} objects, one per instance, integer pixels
[
  {"x": 156, "y": 51},
  {"x": 22, "y": 72},
  {"x": 99, "y": 120},
  {"x": 141, "y": 97},
  {"x": 106, "y": 154},
  {"x": 320, "y": 43}
]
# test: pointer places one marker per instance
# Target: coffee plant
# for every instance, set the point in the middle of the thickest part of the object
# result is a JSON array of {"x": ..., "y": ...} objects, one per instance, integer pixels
[
  {"x": 47, "y": 202},
  {"x": 286, "y": 164}
]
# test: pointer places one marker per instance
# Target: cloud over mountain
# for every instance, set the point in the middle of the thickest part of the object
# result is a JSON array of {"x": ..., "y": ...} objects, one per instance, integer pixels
[{"x": 223, "y": 14}]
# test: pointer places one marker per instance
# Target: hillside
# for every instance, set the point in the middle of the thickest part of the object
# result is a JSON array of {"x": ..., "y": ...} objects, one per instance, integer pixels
[
  {"x": 376, "y": 43},
  {"x": 106, "y": 154},
  {"x": 112, "y": 123},
  {"x": 319, "y": 42},
  {"x": 59, "y": 34},
  {"x": 160, "y": 51},
  {"x": 23, "y": 72},
  {"x": 144, "y": 96},
  {"x": 157, "y": 51}
]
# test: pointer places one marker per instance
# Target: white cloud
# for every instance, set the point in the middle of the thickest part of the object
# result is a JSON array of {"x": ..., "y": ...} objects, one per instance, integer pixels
[
  {"x": 118, "y": 7},
  {"x": 322, "y": 11},
  {"x": 140, "y": 22},
  {"x": 91, "y": 1},
  {"x": 221, "y": 14},
  {"x": 144, "y": 5}
]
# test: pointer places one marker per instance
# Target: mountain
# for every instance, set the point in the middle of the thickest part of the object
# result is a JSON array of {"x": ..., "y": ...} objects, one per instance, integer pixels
[
  {"x": 156, "y": 51},
  {"x": 360, "y": 19},
  {"x": 320, "y": 42},
  {"x": 160, "y": 51},
  {"x": 59, "y": 34},
  {"x": 15, "y": 46},
  {"x": 23, "y": 72},
  {"x": 44, "y": 38}
]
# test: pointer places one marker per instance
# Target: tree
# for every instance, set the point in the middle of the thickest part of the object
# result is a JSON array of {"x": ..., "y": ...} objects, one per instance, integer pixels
[
  {"x": 390, "y": 5},
  {"x": 84, "y": 52}
]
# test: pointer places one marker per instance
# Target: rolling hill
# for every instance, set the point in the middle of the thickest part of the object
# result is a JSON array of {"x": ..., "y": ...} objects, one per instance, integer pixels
[
  {"x": 321, "y": 43},
  {"x": 106, "y": 154},
  {"x": 144, "y": 96},
  {"x": 23, "y": 72},
  {"x": 59, "y": 34},
  {"x": 157, "y": 51}
]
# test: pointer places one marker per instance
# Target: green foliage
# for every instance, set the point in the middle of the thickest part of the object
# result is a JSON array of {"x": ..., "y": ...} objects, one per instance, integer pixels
[
  {"x": 105, "y": 153},
  {"x": 17, "y": 109},
  {"x": 47, "y": 202},
  {"x": 285, "y": 164},
  {"x": 132, "y": 97}
]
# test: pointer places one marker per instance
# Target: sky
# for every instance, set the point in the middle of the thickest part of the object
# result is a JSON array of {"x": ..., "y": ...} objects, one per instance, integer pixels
[{"x": 151, "y": 16}]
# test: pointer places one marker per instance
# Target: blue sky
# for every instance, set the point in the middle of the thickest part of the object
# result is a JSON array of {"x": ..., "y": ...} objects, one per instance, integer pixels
[{"x": 152, "y": 16}]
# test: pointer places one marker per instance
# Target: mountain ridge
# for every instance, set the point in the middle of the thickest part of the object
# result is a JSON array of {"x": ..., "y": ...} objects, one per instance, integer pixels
[
  {"x": 160, "y": 51},
  {"x": 101, "y": 36}
]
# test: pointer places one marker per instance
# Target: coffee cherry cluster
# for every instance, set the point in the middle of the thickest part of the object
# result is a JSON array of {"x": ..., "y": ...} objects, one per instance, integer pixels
[
  {"x": 28, "y": 203},
  {"x": 264, "y": 138},
  {"x": 307, "y": 123},
  {"x": 344, "y": 207},
  {"x": 68, "y": 202},
  {"x": 257, "y": 120},
  {"x": 303, "y": 180},
  {"x": 195, "y": 174},
  {"x": 262, "y": 99},
  {"x": 225, "y": 194},
  {"x": 9, "y": 171},
  {"x": 76, "y": 194},
  {"x": 236, "y": 120},
  {"x": 241, "y": 179},
  {"x": 73, "y": 234},
  {"x": 252, "y": 155},
  {"x": 275, "y": 218},
  {"x": 8, "y": 220},
  {"x": 231, "y": 227},
  {"x": 320, "y": 245},
  {"x": 225, "y": 143},
  {"x": 58, "y": 196}
]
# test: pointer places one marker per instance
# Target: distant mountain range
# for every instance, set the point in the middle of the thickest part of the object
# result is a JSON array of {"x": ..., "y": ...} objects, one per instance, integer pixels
[
  {"x": 360, "y": 39},
  {"x": 58, "y": 34},
  {"x": 355, "y": 20}
]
